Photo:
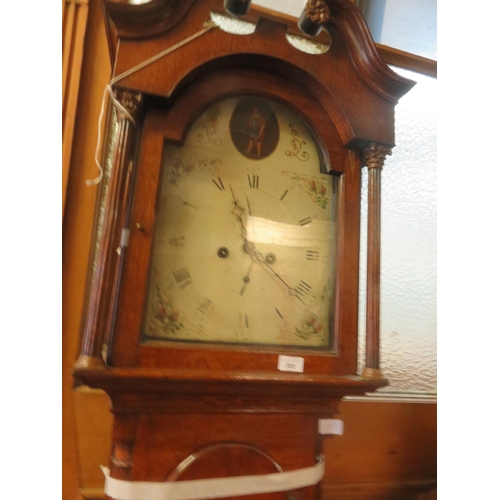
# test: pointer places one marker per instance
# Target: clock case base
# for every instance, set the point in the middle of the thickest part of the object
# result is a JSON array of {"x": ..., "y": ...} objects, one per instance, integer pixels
[{"x": 221, "y": 424}]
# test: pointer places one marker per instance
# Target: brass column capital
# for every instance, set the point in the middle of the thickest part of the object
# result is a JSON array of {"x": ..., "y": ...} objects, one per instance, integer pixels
[
  {"x": 374, "y": 155},
  {"x": 129, "y": 104}
]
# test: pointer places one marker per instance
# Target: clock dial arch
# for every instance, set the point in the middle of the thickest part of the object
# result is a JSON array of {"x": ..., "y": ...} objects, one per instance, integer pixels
[{"x": 319, "y": 109}]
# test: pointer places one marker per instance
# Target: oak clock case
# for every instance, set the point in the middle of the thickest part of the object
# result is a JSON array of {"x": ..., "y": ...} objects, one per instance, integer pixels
[
  {"x": 245, "y": 238},
  {"x": 234, "y": 198}
]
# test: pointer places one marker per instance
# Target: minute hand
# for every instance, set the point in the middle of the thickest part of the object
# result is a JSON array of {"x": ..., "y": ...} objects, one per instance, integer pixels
[
  {"x": 259, "y": 257},
  {"x": 238, "y": 211}
]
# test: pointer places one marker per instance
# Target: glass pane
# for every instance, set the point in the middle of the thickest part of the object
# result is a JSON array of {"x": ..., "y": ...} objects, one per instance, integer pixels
[
  {"x": 408, "y": 25},
  {"x": 409, "y": 245}
]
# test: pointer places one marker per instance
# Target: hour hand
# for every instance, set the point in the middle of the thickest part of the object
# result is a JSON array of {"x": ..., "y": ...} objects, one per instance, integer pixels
[
  {"x": 246, "y": 279},
  {"x": 267, "y": 262}
]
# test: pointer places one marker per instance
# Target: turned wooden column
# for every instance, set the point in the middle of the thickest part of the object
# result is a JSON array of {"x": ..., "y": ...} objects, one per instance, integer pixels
[
  {"x": 373, "y": 157},
  {"x": 122, "y": 452},
  {"x": 102, "y": 287}
]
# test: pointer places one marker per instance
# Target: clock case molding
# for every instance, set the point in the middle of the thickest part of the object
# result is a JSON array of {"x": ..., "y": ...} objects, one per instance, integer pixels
[{"x": 348, "y": 95}]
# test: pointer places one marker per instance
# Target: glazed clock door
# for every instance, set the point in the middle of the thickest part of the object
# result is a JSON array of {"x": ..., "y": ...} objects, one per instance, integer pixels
[
  {"x": 243, "y": 193},
  {"x": 245, "y": 239}
]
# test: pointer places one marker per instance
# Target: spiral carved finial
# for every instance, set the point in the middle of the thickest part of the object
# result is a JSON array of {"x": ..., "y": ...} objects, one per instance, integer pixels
[{"x": 317, "y": 11}]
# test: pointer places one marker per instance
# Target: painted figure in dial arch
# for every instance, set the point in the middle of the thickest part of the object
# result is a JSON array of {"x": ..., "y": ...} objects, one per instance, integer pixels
[{"x": 256, "y": 129}]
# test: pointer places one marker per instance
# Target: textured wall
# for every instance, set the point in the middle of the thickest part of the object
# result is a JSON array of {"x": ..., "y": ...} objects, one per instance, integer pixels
[{"x": 409, "y": 241}]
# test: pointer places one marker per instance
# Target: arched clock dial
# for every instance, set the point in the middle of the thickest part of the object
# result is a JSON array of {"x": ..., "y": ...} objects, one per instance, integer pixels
[{"x": 245, "y": 238}]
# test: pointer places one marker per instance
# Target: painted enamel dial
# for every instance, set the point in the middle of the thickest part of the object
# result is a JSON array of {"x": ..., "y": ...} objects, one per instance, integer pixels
[{"x": 245, "y": 239}]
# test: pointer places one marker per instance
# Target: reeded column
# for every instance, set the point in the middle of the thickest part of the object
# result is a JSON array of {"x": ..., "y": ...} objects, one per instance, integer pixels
[
  {"x": 373, "y": 157},
  {"x": 106, "y": 260}
]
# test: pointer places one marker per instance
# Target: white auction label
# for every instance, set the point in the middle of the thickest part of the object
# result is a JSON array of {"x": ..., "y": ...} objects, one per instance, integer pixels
[
  {"x": 290, "y": 364},
  {"x": 330, "y": 426}
]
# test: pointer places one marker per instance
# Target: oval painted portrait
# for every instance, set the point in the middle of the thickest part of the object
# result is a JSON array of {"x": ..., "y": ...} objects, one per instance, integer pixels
[{"x": 254, "y": 128}]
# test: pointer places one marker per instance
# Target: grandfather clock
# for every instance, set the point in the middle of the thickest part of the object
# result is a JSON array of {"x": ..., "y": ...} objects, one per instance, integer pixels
[{"x": 223, "y": 311}]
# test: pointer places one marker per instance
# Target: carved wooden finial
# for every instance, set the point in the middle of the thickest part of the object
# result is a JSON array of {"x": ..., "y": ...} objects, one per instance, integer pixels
[
  {"x": 374, "y": 155},
  {"x": 315, "y": 14},
  {"x": 317, "y": 11}
]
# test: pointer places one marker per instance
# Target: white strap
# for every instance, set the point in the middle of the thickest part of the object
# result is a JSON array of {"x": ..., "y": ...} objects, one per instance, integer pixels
[{"x": 119, "y": 489}]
